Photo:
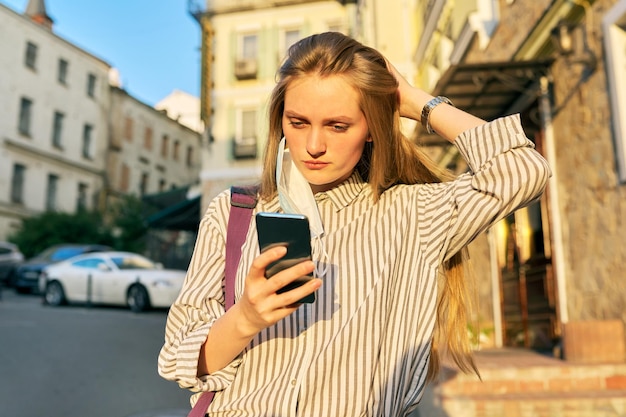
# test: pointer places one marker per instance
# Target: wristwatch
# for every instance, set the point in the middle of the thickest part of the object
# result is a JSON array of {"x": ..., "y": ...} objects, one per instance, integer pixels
[{"x": 428, "y": 107}]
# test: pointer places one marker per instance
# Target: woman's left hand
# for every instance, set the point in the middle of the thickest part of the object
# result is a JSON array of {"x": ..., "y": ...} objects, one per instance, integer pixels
[{"x": 411, "y": 99}]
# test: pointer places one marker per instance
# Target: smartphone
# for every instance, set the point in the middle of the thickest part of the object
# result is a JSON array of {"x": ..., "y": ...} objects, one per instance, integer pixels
[{"x": 292, "y": 231}]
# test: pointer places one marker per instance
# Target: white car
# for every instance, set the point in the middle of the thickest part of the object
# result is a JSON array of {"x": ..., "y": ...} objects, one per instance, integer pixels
[{"x": 114, "y": 278}]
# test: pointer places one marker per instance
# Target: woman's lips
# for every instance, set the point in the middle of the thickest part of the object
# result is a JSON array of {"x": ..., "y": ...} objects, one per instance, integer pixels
[{"x": 315, "y": 165}]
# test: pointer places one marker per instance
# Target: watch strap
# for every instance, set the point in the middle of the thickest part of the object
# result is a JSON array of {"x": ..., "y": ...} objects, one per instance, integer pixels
[{"x": 428, "y": 108}]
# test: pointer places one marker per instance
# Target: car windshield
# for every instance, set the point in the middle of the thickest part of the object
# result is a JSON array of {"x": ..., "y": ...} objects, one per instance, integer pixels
[
  {"x": 60, "y": 254},
  {"x": 133, "y": 262}
]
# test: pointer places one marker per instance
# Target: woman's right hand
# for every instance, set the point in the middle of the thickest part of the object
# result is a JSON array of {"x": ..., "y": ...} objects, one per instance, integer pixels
[{"x": 260, "y": 305}]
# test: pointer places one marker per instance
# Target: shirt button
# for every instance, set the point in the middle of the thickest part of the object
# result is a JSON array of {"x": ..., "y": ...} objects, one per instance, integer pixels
[{"x": 293, "y": 382}]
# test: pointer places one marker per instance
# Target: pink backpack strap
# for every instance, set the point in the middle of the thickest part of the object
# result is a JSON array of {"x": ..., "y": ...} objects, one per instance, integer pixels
[{"x": 242, "y": 201}]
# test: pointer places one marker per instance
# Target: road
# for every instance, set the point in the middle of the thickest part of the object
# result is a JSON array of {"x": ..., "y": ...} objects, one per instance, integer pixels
[{"x": 77, "y": 361}]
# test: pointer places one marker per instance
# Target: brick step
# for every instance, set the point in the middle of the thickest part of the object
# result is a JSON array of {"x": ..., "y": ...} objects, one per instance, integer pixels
[
  {"x": 546, "y": 395},
  {"x": 518, "y": 383},
  {"x": 608, "y": 403},
  {"x": 542, "y": 375}
]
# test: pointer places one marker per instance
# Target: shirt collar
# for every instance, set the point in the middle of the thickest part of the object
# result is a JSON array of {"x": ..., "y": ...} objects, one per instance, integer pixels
[
  {"x": 345, "y": 193},
  {"x": 340, "y": 196}
]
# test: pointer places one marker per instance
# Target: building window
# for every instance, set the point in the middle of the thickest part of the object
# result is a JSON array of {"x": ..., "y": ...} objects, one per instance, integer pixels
[
  {"x": 176, "y": 150},
  {"x": 288, "y": 38},
  {"x": 614, "y": 28},
  {"x": 30, "y": 59},
  {"x": 128, "y": 128},
  {"x": 17, "y": 183},
  {"x": 245, "y": 143},
  {"x": 81, "y": 198},
  {"x": 165, "y": 143},
  {"x": 26, "y": 108},
  {"x": 51, "y": 196},
  {"x": 62, "y": 76},
  {"x": 161, "y": 185},
  {"x": 143, "y": 186},
  {"x": 190, "y": 156},
  {"x": 91, "y": 85},
  {"x": 147, "y": 138},
  {"x": 124, "y": 178},
  {"x": 57, "y": 129},
  {"x": 87, "y": 141},
  {"x": 246, "y": 62}
]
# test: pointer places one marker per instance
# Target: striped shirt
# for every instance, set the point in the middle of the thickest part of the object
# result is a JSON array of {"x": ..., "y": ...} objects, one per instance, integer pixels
[{"x": 362, "y": 349}]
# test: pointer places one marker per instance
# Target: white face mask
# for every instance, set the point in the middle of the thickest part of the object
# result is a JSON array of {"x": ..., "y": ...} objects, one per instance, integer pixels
[{"x": 294, "y": 191}]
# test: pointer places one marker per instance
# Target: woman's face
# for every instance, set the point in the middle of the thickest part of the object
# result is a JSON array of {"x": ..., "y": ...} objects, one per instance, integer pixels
[{"x": 324, "y": 128}]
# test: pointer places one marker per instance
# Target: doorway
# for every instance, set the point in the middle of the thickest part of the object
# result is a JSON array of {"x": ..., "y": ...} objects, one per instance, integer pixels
[{"x": 528, "y": 295}]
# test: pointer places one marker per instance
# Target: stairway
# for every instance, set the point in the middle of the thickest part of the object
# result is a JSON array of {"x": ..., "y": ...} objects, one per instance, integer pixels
[{"x": 520, "y": 383}]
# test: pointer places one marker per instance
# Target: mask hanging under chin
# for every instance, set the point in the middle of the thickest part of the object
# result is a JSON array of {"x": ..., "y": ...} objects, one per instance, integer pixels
[{"x": 294, "y": 191}]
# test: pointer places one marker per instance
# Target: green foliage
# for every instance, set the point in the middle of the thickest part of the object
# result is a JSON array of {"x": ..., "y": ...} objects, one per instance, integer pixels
[
  {"x": 123, "y": 228},
  {"x": 50, "y": 228},
  {"x": 130, "y": 228}
]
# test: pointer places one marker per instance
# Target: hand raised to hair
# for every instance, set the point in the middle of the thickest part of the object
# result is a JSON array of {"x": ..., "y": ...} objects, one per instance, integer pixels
[{"x": 410, "y": 98}]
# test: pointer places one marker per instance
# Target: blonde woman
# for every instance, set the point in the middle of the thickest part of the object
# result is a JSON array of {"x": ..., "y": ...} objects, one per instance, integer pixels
[{"x": 388, "y": 236}]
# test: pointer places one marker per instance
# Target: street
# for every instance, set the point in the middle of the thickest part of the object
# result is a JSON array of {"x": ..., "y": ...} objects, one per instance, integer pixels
[{"x": 76, "y": 361}]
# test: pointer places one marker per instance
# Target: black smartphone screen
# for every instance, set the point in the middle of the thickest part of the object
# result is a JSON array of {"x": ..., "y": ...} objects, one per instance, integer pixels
[{"x": 292, "y": 231}]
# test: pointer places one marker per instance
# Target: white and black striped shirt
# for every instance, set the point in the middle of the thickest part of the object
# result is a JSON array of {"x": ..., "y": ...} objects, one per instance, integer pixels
[{"x": 362, "y": 348}]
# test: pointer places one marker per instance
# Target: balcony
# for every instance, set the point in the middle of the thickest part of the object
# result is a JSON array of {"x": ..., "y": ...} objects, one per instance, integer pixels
[
  {"x": 246, "y": 69},
  {"x": 244, "y": 148}
]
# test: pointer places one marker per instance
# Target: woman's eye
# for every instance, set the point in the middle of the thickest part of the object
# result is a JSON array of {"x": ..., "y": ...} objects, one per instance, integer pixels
[
  {"x": 296, "y": 123},
  {"x": 340, "y": 128}
]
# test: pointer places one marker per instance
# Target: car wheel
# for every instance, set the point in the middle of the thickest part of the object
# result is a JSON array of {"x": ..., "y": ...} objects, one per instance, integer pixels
[
  {"x": 54, "y": 295},
  {"x": 137, "y": 298}
]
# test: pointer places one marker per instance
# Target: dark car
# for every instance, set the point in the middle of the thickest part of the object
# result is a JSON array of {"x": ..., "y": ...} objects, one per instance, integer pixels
[
  {"x": 10, "y": 259},
  {"x": 26, "y": 277}
]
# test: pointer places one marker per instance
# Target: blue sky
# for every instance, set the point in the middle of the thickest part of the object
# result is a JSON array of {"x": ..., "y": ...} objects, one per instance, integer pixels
[{"x": 155, "y": 44}]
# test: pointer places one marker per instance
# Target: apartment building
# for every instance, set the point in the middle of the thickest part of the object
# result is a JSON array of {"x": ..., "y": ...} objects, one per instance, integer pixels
[
  {"x": 53, "y": 120},
  {"x": 243, "y": 44},
  {"x": 71, "y": 137},
  {"x": 148, "y": 152}
]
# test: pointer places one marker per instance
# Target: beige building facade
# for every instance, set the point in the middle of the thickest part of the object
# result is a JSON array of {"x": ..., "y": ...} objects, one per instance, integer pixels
[
  {"x": 53, "y": 121},
  {"x": 243, "y": 45},
  {"x": 148, "y": 151}
]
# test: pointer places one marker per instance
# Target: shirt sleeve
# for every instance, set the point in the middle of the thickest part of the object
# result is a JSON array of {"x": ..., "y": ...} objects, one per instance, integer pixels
[
  {"x": 506, "y": 173},
  {"x": 199, "y": 304}
]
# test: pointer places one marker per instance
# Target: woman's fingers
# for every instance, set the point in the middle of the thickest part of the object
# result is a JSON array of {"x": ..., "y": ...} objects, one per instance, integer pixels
[{"x": 261, "y": 303}]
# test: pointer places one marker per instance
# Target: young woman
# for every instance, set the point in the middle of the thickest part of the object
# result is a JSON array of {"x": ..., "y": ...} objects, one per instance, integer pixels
[{"x": 388, "y": 238}]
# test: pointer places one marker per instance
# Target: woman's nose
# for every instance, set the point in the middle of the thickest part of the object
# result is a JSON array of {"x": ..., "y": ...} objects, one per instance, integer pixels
[{"x": 315, "y": 144}]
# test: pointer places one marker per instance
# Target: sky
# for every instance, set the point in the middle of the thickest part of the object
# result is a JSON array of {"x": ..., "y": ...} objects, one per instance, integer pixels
[{"x": 155, "y": 44}]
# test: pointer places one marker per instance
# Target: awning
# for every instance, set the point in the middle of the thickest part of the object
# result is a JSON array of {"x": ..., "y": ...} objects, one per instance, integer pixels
[
  {"x": 175, "y": 210},
  {"x": 493, "y": 89}
]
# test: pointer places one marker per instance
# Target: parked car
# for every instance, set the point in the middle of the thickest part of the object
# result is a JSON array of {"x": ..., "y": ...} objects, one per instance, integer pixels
[
  {"x": 10, "y": 259},
  {"x": 114, "y": 278},
  {"x": 26, "y": 278}
]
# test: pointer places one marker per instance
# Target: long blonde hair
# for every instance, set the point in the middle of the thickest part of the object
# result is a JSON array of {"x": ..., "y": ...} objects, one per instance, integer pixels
[{"x": 388, "y": 160}]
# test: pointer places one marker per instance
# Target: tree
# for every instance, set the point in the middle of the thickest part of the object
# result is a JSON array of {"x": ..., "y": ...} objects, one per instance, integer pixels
[
  {"x": 129, "y": 225},
  {"x": 123, "y": 228},
  {"x": 50, "y": 228}
]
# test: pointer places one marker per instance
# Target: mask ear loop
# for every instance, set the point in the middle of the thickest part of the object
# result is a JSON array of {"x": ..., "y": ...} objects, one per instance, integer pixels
[{"x": 324, "y": 260}]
